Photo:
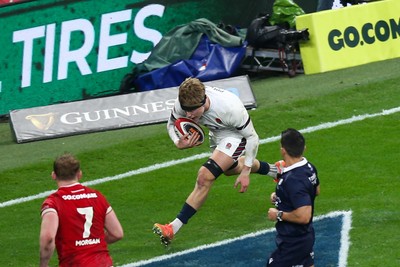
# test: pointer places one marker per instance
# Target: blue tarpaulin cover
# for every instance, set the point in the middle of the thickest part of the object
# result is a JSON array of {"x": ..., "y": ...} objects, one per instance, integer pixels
[
  {"x": 210, "y": 61},
  {"x": 198, "y": 49}
]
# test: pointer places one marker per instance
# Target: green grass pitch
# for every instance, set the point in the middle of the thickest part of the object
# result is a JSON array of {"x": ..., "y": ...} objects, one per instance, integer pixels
[{"x": 357, "y": 163}]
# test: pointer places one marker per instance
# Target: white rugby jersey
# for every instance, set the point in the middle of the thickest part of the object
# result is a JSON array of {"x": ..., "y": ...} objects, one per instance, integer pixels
[{"x": 226, "y": 117}]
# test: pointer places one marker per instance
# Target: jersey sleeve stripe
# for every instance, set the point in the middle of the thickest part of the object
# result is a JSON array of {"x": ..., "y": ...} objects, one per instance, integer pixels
[
  {"x": 48, "y": 210},
  {"x": 245, "y": 125},
  {"x": 109, "y": 210}
]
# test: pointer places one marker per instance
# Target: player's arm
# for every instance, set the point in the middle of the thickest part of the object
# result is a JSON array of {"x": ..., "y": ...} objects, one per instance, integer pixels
[
  {"x": 113, "y": 228},
  {"x": 48, "y": 231},
  {"x": 170, "y": 128},
  {"x": 301, "y": 215},
  {"x": 252, "y": 139},
  {"x": 248, "y": 132},
  {"x": 243, "y": 179},
  {"x": 185, "y": 141}
]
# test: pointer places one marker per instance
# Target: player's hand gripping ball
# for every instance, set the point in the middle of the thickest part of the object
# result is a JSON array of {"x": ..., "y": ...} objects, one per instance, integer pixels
[{"x": 186, "y": 125}]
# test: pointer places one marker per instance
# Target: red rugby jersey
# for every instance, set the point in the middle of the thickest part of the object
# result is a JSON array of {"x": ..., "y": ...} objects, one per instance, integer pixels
[{"x": 80, "y": 239}]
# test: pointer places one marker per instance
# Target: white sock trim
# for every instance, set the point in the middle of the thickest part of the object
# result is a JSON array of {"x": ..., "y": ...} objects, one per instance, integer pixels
[{"x": 176, "y": 225}]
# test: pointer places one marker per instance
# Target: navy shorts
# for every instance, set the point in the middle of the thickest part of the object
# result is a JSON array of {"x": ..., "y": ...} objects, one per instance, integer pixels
[{"x": 293, "y": 251}]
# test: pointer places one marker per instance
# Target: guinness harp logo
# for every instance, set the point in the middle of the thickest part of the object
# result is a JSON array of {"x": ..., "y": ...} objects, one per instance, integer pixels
[{"x": 43, "y": 121}]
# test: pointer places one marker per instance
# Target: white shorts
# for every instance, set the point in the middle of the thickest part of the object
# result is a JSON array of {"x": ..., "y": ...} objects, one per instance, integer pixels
[{"x": 233, "y": 147}]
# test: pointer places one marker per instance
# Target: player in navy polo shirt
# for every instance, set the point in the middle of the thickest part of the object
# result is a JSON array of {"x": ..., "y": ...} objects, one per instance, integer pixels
[{"x": 294, "y": 205}]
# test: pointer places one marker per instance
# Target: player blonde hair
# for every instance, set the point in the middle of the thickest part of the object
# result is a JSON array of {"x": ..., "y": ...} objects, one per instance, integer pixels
[{"x": 192, "y": 94}]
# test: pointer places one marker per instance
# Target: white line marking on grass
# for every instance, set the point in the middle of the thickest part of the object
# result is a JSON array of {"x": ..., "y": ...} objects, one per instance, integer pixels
[
  {"x": 345, "y": 240},
  {"x": 199, "y": 248},
  {"x": 343, "y": 253},
  {"x": 112, "y": 178},
  {"x": 311, "y": 129},
  {"x": 344, "y": 235}
]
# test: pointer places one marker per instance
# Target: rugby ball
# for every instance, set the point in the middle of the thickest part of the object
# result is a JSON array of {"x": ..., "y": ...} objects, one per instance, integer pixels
[{"x": 185, "y": 125}]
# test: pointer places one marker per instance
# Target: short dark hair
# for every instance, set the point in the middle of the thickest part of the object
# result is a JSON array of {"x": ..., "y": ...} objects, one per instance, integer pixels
[
  {"x": 293, "y": 142},
  {"x": 66, "y": 167}
]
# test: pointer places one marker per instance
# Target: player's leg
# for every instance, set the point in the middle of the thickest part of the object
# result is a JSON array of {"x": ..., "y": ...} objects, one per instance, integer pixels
[
  {"x": 260, "y": 167},
  {"x": 293, "y": 251},
  {"x": 207, "y": 174},
  {"x": 203, "y": 185},
  {"x": 235, "y": 148}
]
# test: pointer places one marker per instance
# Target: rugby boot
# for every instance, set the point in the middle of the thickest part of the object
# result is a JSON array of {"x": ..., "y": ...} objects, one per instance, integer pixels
[{"x": 165, "y": 232}]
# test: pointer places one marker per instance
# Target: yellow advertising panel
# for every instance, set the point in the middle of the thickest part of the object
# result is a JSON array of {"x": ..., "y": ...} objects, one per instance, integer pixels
[{"x": 350, "y": 36}]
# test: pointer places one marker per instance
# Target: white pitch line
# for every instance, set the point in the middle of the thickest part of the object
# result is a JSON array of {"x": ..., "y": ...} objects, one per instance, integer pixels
[
  {"x": 345, "y": 240},
  {"x": 311, "y": 129},
  {"x": 343, "y": 253}
]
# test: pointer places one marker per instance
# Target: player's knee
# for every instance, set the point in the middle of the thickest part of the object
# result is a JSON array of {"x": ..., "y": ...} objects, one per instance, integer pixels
[
  {"x": 212, "y": 168},
  {"x": 204, "y": 178}
]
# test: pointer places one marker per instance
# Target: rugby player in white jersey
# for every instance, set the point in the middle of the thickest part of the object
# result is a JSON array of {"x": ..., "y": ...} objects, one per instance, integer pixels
[{"x": 233, "y": 141}]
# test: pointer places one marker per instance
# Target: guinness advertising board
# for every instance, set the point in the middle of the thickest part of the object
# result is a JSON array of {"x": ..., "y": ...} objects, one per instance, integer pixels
[{"x": 109, "y": 113}]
